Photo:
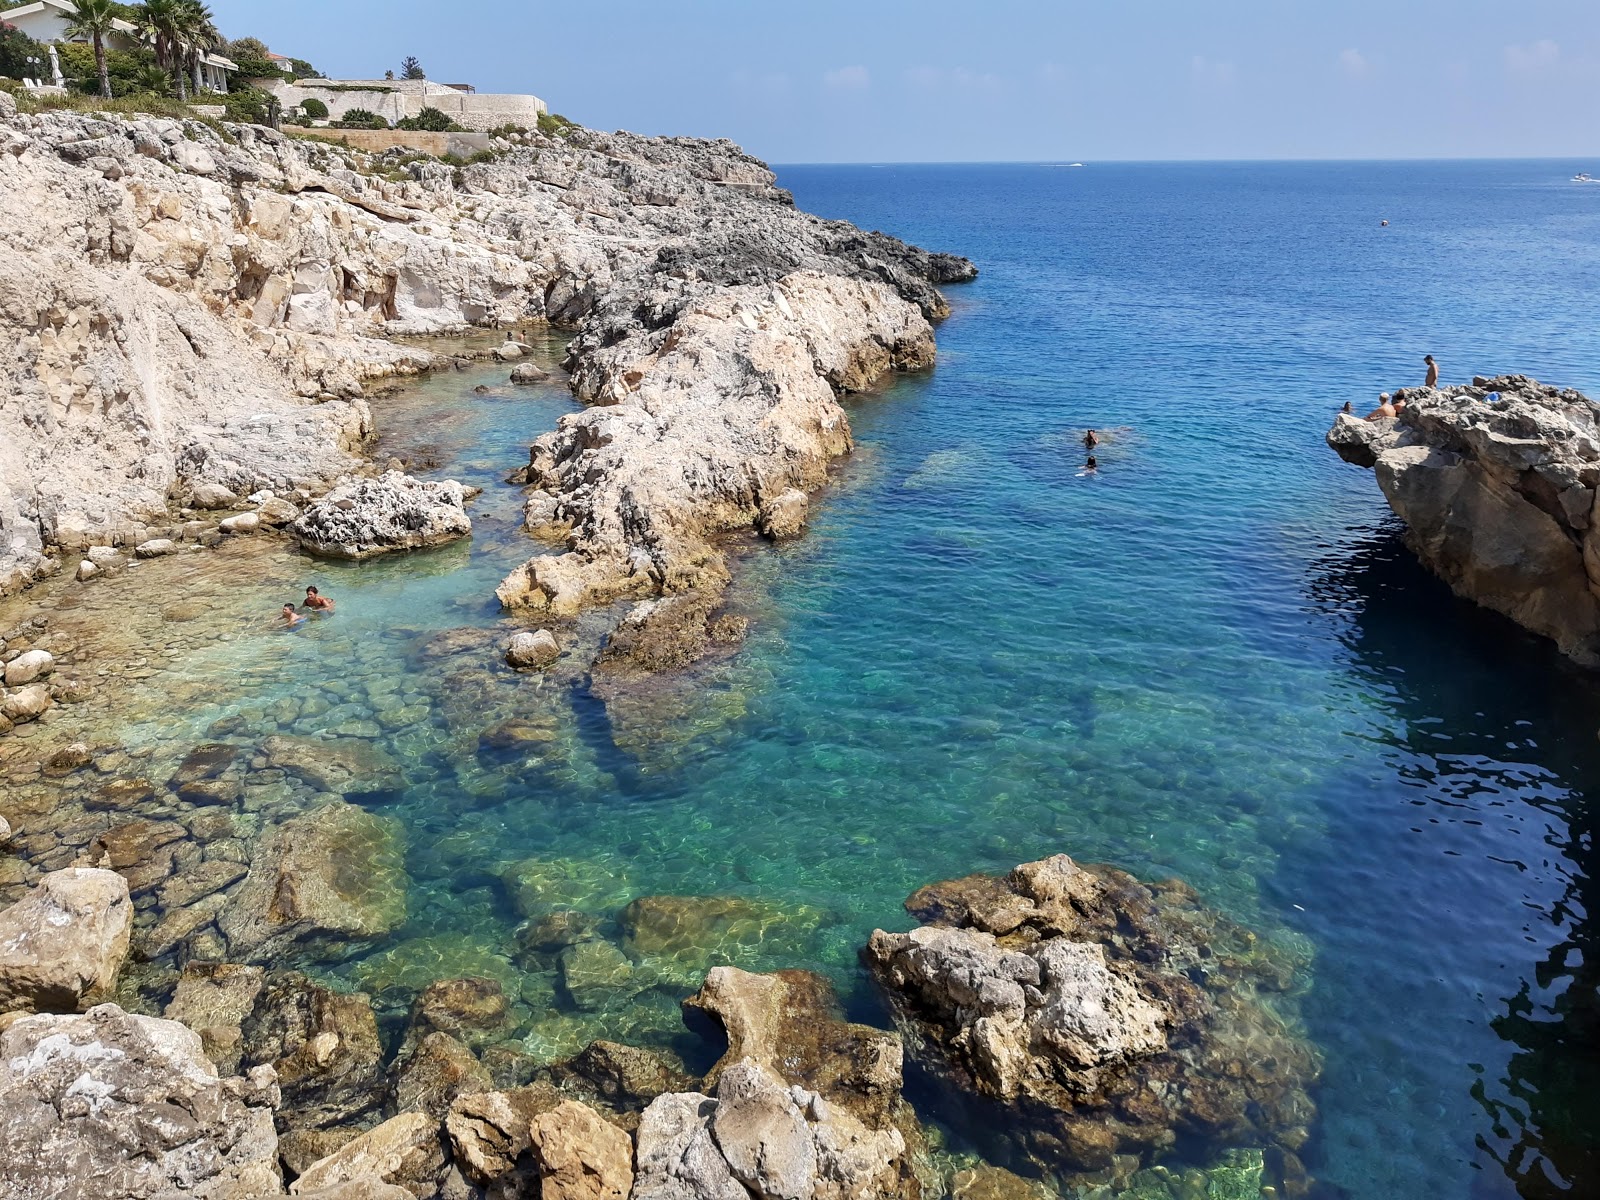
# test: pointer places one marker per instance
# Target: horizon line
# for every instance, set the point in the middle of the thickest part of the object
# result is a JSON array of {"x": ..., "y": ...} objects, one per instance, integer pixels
[{"x": 1054, "y": 162}]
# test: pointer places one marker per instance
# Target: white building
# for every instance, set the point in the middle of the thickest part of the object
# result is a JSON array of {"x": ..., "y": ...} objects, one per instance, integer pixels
[
  {"x": 47, "y": 20},
  {"x": 396, "y": 99}
]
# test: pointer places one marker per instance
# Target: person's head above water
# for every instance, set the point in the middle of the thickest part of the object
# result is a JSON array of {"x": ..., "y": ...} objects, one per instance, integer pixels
[
  {"x": 288, "y": 610},
  {"x": 312, "y": 590},
  {"x": 1091, "y": 464}
]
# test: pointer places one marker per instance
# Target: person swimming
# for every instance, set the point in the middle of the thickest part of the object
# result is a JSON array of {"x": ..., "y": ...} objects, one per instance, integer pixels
[
  {"x": 315, "y": 599},
  {"x": 1091, "y": 465},
  {"x": 1091, "y": 439},
  {"x": 1347, "y": 408},
  {"x": 290, "y": 617}
]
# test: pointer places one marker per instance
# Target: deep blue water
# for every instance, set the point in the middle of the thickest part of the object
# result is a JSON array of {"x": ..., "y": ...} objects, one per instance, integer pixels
[{"x": 1213, "y": 659}]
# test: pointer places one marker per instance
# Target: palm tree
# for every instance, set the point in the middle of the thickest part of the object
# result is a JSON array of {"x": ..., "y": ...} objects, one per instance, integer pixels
[
  {"x": 197, "y": 34},
  {"x": 95, "y": 20},
  {"x": 159, "y": 21}
]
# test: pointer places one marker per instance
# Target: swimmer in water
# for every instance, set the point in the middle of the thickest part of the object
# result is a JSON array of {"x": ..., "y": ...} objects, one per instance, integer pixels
[
  {"x": 1091, "y": 439},
  {"x": 1347, "y": 408},
  {"x": 1091, "y": 465},
  {"x": 290, "y": 617},
  {"x": 315, "y": 599}
]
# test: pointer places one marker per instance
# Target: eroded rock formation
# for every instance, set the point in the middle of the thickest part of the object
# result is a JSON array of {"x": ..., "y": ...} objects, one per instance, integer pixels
[
  {"x": 367, "y": 517},
  {"x": 1497, "y": 485}
]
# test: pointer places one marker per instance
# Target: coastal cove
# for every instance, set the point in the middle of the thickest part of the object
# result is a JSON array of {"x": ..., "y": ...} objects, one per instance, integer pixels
[{"x": 1212, "y": 660}]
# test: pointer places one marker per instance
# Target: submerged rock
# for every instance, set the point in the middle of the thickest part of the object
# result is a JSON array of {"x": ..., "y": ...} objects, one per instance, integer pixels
[
  {"x": 112, "y": 1105},
  {"x": 62, "y": 945},
  {"x": 405, "y": 1151},
  {"x": 346, "y": 765},
  {"x": 321, "y": 884},
  {"x": 531, "y": 650},
  {"x": 214, "y": 999},
  {"x": 1498, "y": 496},
  {"x": 368, "y": 517},
  {"x": 1101, "y": 1015},
  {"x": 682, "y": 937},
  {"x": 322, "y": 1044}
]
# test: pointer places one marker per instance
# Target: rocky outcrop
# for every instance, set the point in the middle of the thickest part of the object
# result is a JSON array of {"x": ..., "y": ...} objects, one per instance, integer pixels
[
  {"x": 113, "y": 1105},
  {"x": 368, "y": 517},
  {"x": 321, "y": 883},
  {"x": 62, "y": 945},
  {"x": 192, "y": 312},
  {"x": 1099, "y": 1015},
  {"x": 1497, "y": 485}
]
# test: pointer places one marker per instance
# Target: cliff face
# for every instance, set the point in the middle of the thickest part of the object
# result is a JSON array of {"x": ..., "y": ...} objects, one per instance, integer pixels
[
  {"x": 1498, "y": 496},
  {"x": 186, "y": 305}
]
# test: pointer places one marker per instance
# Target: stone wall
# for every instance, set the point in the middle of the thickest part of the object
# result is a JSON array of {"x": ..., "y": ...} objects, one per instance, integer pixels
[
  {"x": 462, "y": 145},
  {"x": 397, "y": 99}
]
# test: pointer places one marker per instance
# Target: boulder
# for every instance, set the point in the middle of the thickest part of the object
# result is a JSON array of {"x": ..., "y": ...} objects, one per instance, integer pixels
[
  {"x": 214, "y": 999},
  {"x": 112, "y": 1105},
  {"x": 276, "y": 512},
  {"x": 368, "y": 517},
  {"x": 682, "y": 937},
  {"x": 405, "y": 1151},
  {"x": 156, "y": 548},
  {"x": 212, "y": 496},
  {"x": 432, "y": 1072},
  {"x": 581, "y": 1156},
  {"x": 489, "y": 1131},
  {"x": 527, "y": 372},
  {"x": 242, "y": 523},
  {"x": 27, "y": 703},
  {"x": 74, "y": 756},
  {"x": 86, "y": 571},
  {"x": 28, "y": 666},
  {"x": 473, "y": 1009},
  {"x": 1106, "y": 1017},
  {"x": 346, "y": 765},
  {"x": 532, "y": 650},
  {"x": 1497, "y": 484},
  {"x": 320, "y": 883},
  {"x": 62, "y": 945},
  {"x": 784, "y": 516},
  {"x": 624, "y": 1078},
  {"x": 598, "y": 975},
  {"x": 322, "y": 1044}
]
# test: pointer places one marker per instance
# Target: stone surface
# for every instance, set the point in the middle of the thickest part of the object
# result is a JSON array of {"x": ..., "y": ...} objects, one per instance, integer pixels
[
  {"x": 112, "y": 1105},
  {"x": 1105, "y": 1016},
  {"x": 406, "y": 1151},
  {"x": 346, "y": 765},
  {"x": 1498, "y": 497},
  {"x": 368, "y": 517},
  {"x": 580, "y": 1155},
  {"x": 62, "y": 945},
  {"x": 490, "y": 1131},
  {"x": 532, "y": 650},
  {"x": 528, "y": 373},
  {"x": 432, "y": 1072},
  {"x": 28, "y": 666},
  {"x": 214, "y": 999},
  {"x": 323, "y": 1046},
  {"x": 321, "y": 883}
]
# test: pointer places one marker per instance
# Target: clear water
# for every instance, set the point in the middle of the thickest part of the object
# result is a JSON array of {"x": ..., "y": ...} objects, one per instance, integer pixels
[{"x": 1212, "y": 659}]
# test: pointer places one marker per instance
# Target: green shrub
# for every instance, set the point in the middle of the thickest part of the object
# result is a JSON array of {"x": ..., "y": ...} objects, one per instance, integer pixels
[
  {"x": 299, "y": 68},
  {"x": 249, "y": 106},
  {"x": 430, "y": 120},
  {"x": 257, "y": 68},
  {"x": 313, "y": 107},
  {"x": 360, "y": 118},
  {"x": 555, "y": 125},
  {"x": 131, "y": 72},
  {"x": 16, "y": 48}
]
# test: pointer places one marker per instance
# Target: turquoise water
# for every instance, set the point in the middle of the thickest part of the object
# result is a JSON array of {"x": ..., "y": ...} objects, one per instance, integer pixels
[{"x": 1211, "y": 659}]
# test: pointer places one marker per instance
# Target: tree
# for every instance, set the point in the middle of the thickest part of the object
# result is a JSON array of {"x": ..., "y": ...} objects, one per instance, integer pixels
[
  {"x": 410, "y": 68},
  {"x": 197, "y": 35},
  {"x": 159, "y": 21},
  {"x": 95, "y": 20},
  {"x": 20, "y": 55}
]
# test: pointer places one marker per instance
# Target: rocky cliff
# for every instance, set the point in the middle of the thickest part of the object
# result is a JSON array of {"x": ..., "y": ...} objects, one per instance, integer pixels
[
  {"x": 1497, "y": 485},
  {"x": 192, "y": 308}
]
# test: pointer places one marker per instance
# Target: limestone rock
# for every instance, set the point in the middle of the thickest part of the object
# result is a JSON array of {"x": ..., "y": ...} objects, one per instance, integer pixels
[
  {"x": 214, "y": 999},
  {"x": 86, "y": 571},
  {"x": 530, "y": 650},
  {"x": 243, "y": 523},
  {"x": 27, "y": 703},
  {"x": 682, "y": 937},
  {"x": 433, "y": 1072},
  {"x": 360, "y": 1189},
  {"x": 111, "y": 1105},
  {"x": 489, "y": 1131},
  {"x": 156, "y": 548},
  {"x": 596, "y": 975},
  {"x": 321, "y": 882},
  {"x": 368, "y": 517},
  {"x": 527, "y": 372},
  {"x": 676, "y": 1156},
  {"x": 276, "y": 512},
  {"x": 28, "y": 666},
  {"x": 1498, "y": 497},
  {"x": 784, "y": 516},
  {"x": 1106, "y": 1016},
  {"x": 212, "y": 496},
  {"x": 625, "y": 1078},
  {"x": 472, "y": 1009},
  {"x": 322, "y": 1044},
  {"x": 346, "y": 765},
  {"x": 406, "y": 1151},
  {"x": 581, "y": 1156},
  {"x": 62, "y": 945}
]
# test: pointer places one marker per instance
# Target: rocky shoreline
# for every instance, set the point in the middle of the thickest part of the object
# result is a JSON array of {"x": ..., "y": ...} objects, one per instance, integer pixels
[
  {"x": 1497, "y": 483},
  {"x": 1110, "y": 1022}
]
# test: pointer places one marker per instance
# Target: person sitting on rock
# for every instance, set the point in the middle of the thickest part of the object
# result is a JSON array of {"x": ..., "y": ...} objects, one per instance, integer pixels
[
  {"x": 290, "y": 617},
  {"x": 315, "y": 599},
  {"x": 1433, "y": 372},
  {"x": 1385, "y": 409},
  {"x": 1091, "y": 439}
]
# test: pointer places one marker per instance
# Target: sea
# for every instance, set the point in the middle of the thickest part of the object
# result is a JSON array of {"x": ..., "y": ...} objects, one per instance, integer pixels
[{"x": 1211, "y": 658}]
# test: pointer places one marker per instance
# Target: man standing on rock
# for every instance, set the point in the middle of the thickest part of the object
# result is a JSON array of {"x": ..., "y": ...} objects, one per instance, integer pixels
[{"x": 1433, "y": 371}]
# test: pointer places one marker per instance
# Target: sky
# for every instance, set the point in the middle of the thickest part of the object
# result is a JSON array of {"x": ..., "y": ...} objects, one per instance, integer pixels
[{"x": 1003, "y": 80}]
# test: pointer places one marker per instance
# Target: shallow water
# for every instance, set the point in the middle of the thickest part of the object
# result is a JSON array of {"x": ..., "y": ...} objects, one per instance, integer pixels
[{"x": 1212, "y": 659}]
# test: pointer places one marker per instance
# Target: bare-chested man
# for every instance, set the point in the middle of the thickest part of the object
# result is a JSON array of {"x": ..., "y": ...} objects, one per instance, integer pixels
[
  {"x": 1384, "y": 411},
  {"x": 1433, "y": 372}
]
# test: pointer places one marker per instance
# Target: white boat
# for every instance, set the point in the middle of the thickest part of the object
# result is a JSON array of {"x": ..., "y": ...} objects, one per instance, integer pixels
[
  {"x": 1584, "y": 177},
  {"x": 1074, "y": 164}
]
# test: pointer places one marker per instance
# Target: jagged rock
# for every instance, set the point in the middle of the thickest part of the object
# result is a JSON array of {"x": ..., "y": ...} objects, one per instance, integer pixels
[
  {"x": 214, "y": 999},
  {"x": 784, "y": 516},
  {"x": 489, "y": 1131},
  {"x": 406, "y": 1151},
  {"x": 661, "y": 635},
  {"x": 359, "y": 1189},
  {"x": 74, "y": 756},
  {"x": 62, "y": 945},
  {"x": 27, "y": 703},
  {"x": 321, "y": 882},
  {"x": 111, "y": 1105},
  {"x": 1106, "y": 1016},
  {"x": 322, "y": 1044},
  {"x": 581, "y": 1156},
  {"x": 433, "y": 1072},
  {"x": 528, "y": 373},
  {"x": 472, "y": 1009},
  {"x": 626, "y": 1078},
  {"x": 675, "y": 1155},
  {"x": 531, "y": 650},
  {"x": 1498, "y": 497},
  {"x": 347, "y": 765},
  {"x": 28, "y": 666},
  {"x": 368, "y": 517},
  {"x": 277, "y": 512}
]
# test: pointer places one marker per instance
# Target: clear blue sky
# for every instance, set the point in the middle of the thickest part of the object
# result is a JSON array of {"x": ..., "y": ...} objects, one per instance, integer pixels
[{"x": 943, "y": 80}]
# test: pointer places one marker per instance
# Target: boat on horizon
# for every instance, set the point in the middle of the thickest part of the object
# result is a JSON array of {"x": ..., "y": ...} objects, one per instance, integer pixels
[{"x": 1584, "y": 177}]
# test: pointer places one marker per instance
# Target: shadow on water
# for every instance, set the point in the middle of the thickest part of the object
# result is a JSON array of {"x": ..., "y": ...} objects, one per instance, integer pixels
[
  {"x": 1498, "y": 759},
  {"x": 592, "y": 721}
]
